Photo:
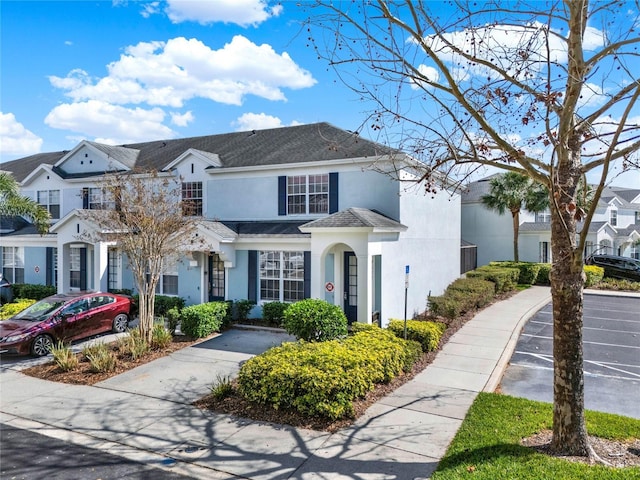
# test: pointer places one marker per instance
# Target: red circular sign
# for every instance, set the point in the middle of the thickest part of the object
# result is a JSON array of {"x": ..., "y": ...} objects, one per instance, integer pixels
[
  {"x": 329, "y": 287},
  {"x": 36, "y": 269}
]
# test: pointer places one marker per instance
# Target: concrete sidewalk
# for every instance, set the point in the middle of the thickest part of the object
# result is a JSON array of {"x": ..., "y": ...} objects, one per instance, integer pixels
[{"x": 146, "y": 414}]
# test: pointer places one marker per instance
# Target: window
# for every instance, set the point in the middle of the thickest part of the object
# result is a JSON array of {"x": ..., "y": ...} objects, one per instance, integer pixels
[
  {"x": 216, "y": 277},
  {"x": 544, "y": 252},
  {"x": 75, "y": 268},
  {"x": 613, "y": 219},
  {"x": 192, "y": 199},
  {"x": 168, "y": 283},
  {"x": 308, "y": 194},
  {"x": 113, "y": 269},
  {"x": 50, "y": 199},
  {"x": 13, "y": 264},
  {"x": 637, "y": 217},
  {"x": 543, "y": 217},
  {"x": 281, "y": 276},
  {"x": 100, "y": 199}
]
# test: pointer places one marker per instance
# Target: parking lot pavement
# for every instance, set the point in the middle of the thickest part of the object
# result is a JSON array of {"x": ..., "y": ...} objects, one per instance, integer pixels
[{"x": 611, "y": 337}]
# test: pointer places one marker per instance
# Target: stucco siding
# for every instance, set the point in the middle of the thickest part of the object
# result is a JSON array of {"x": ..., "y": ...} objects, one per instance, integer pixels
[{"x": 492, "y": 233}]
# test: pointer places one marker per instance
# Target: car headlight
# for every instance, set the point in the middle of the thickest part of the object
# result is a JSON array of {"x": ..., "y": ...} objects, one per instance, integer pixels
[{"x": 15, "y": 338}]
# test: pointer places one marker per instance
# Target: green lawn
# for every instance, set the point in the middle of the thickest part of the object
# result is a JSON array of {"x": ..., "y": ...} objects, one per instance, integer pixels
[{"x": 487, "y": 445}]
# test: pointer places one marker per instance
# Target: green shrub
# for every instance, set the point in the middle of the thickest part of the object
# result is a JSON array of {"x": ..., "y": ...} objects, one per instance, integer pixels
[
  {"x": 273, "y": 312},
  {"x": 32, "y": 291},
  {"x": 8, "y": 310},
  {"x": 323, "y": 378},
  {"x": 528, "y": 270},
  {"x": 173, "y": 319},
  {"x": 315, "y": 320},
  {"x": 619, "y": 284},
  {"x": 478, "y": 291},
  {"x": 543, "y": 274},
  {"x": 242, "y": 308},
  {"x": 505, "y": 278},
  {"x": 121, "y": 291},
  {"x": 101, "y": 358},
  {"x": 64, "y": 358},
  {"x": 427, "y": 334},
  {"x": 202, "y": 320},
  {"x": 357, "y": 327},
  {"x": 161, "y": 304},
  {"x": 593, "y": 275},
  {"x": 160, "y": 337}
]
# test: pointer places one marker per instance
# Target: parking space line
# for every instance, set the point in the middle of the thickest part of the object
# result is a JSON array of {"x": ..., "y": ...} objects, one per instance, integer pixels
[
  {"x": 585, "y": 342},
  {"x": 549, "y": 358},
  {"x": 599, "y": 329},
  {"x": 587, "y": 374}
]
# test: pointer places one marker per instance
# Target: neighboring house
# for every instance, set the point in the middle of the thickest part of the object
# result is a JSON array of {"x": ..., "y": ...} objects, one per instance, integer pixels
[
  {"x": 286, "y": 214},
  {"x": 615, "y": 228}
]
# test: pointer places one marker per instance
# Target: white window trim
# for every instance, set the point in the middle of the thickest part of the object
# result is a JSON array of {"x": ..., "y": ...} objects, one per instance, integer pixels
[
  {"x": 308, "y": 193},
  {"x": 281, "y": 278}
]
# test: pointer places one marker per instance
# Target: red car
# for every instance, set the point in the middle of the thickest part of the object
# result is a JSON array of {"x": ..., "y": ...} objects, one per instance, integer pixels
[{"x": 63, "y": 318}]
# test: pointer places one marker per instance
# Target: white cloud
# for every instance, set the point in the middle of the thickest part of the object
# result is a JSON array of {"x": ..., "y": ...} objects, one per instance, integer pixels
[
  {"x": 108, "y": 123},
  {"x": 182, "y": 120},
  {"x": 170, "y": 73},
  {"x": 149, "y": 9},
  {"x": 430, "y": 73},
  {"x": 258, "y": 121},
  {"x": 240, "y": 12},
  {"x": 17, "y": 140}
]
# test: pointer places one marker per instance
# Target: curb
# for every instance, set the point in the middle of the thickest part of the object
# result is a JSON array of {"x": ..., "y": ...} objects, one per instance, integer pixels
[{"x": 498, "y": 371}]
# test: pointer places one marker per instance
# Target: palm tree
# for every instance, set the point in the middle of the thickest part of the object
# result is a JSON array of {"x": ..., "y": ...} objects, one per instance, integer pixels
[
  {"x": 513, "y": 191},
  {"x": 12, "y": 203}
]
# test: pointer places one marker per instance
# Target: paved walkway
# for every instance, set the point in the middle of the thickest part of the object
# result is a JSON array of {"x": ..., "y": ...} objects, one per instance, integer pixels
[{"x": 146, "y": 415}]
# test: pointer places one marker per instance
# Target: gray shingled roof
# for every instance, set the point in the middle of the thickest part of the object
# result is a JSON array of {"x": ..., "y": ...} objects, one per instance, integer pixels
[
  {"x": 627, "y": 194},
  {"x": 357, "y": 218},
  {"x": 265, "y": 228},
  {"x": 535, "y": 227},
  {"x": 124, "y": 155},
  {"x": 304, "y": 143}
]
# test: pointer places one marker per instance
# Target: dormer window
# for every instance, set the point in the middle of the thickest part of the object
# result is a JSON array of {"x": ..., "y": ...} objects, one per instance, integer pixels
[
  {"x": 613, "y": 219},
  {"x": 192, "y": 199}
]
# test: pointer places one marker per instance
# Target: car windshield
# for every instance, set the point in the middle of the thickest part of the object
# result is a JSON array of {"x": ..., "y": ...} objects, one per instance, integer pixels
[{"x": 39, "y": 310}]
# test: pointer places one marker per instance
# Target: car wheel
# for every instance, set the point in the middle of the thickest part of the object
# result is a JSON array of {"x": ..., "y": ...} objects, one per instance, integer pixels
[
  {"x": 41, "y": 345},
  {"x": 120, "y": 323}
]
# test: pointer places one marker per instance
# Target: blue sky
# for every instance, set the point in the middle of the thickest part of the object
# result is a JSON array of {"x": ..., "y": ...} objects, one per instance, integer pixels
[{"x": 133, "y": 71}]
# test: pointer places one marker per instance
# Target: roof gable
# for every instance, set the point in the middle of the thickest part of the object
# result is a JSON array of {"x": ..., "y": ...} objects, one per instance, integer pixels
[{"x": 90, "y": 158}]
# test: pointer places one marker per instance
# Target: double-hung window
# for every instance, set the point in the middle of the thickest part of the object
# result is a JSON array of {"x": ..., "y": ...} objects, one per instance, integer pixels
[
  {"x": 613, "y": 218},
  {"x": 168, "y": 282},
  {"x": 13, "y": 264},
  {"x": 50, "y": 199},
  {"x": 192, "y": 199},
  {"x": 307, "y": 194},
  {"x": 100, "y": 199},
  {"x": 281, "y": 276},
  {"x": 543, "y": 217}
]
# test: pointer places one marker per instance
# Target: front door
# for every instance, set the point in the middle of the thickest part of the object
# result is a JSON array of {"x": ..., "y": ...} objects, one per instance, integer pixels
[
  {"x": 350, "y": 294},
  {"x": 216, "y": 278}
]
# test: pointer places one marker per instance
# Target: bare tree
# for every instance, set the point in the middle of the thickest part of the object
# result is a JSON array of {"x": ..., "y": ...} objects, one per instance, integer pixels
[
  {"x": 145, "y": 219},
  {"x": 545, "y": 89}
]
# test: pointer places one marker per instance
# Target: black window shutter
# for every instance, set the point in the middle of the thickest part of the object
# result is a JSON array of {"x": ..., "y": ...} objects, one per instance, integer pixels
[
  {"x": 252, "y": 292},
  {"x": 83, "y": 269},
  {"x": 85, "y": 198},
  {"x": 333, "y": 192},
  {"x": 282, "y": 195},
  {"x": 49, "y": 269},
  {"x": 307, "y": 274}
]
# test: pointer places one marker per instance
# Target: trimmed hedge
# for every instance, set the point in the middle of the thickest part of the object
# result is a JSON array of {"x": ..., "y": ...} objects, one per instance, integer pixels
[
  {"x": 426, "y": 333},
  {"x": 593, "y": 274},
  {"x": 273, "y": 312},
  {"x": 202, "y": 320},
  {"x": 462, "y": 295},
  {"x": 323, "y": 378},
  {"x": 543, "y": 274},
  {"x": 32, "y": 291},
  {"x": 8, "y": 310},
  {"x": 505, "y": 278},
  {"x": 528, "y": 270},
  {"x": 315, "y": 320}
]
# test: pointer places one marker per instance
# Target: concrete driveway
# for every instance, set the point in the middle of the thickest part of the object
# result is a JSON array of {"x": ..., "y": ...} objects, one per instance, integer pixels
[{"x": 611, "y": 337}]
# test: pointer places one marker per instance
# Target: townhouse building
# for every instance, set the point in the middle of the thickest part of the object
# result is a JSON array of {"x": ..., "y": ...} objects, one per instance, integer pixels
[
  {"x": 615, "y": 228},
  {"x": 288, "y": 213}
]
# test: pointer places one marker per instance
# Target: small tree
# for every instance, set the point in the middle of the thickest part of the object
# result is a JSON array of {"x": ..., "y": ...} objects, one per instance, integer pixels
[
  {"x": 147, "y": 225},
  {"x": 513, "y": 191},
  {"x": 12, "y": 203}
]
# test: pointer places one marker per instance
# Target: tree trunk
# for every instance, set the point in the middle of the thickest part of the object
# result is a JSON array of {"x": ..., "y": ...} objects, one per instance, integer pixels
[
  {"x": 515, "y": 215},
  {"x": 567, "y": 281}
]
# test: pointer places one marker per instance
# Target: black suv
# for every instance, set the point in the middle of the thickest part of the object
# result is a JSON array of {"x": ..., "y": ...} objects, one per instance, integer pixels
[{"x": 617, "y": 267}]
